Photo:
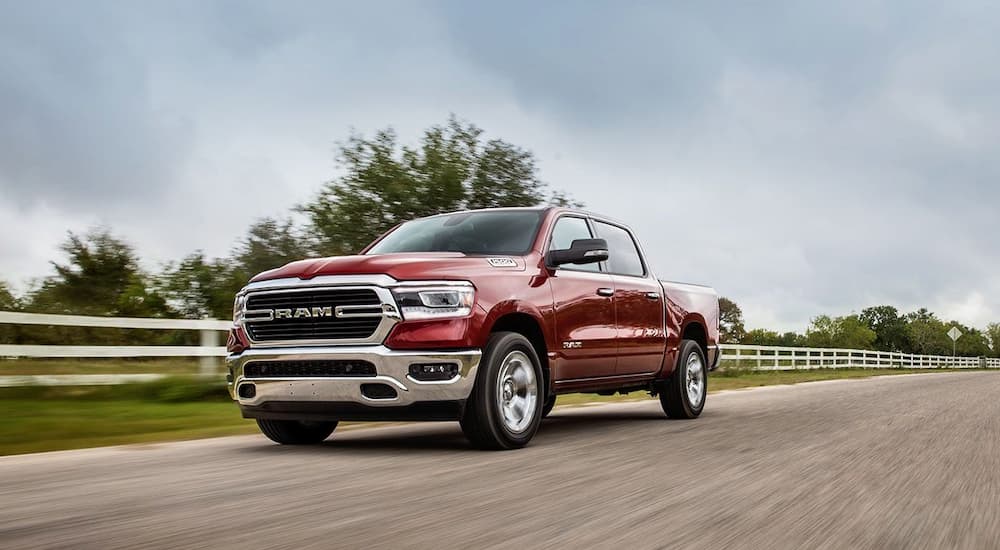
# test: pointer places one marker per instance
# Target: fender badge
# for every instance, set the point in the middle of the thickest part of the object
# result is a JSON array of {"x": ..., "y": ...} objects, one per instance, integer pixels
[{"x": 502, "y": 262}]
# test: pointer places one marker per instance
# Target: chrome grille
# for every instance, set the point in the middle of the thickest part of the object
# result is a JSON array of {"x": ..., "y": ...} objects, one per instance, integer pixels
[{"x": 345, "y": 318}]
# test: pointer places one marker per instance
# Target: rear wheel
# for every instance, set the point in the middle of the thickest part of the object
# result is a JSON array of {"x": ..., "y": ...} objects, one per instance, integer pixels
[
  {"x": 683, "y": 394},
  {"x": 295, "y": 432},
  {"x": 505, "y": 407}
]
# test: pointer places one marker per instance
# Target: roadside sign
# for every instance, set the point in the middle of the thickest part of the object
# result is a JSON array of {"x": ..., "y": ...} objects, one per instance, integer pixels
[{"x": 954, "y": 334}]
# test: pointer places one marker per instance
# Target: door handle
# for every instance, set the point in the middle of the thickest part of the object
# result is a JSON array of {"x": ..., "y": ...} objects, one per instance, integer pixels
[
  {"x": 653, "y": 295},
  {"x": 606, "y": 292}
]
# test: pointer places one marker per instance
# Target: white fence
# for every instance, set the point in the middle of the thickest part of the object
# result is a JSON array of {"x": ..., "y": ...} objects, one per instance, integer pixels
[
  {"x": 733, "y": 356},
  {"x": 788, "y": 358},
  {"x": 208, "y": 350}
]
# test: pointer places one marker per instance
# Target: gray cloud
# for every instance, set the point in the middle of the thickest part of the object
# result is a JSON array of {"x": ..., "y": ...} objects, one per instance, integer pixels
[
  {"x": 846, "y": 149},
  {"x": 79, "y": 124},
  {"x": 805, "y": 159}
]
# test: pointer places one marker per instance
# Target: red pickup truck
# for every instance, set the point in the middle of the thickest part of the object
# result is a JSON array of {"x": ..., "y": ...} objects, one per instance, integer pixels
[{"x": 481, "y": 316}]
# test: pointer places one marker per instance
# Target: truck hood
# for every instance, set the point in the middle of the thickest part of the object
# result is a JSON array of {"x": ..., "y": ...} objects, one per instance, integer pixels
[{"x": 402, "y": 266}]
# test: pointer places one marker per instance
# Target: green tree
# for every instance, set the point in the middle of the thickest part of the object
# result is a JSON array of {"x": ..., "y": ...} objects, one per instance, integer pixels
[
  {"x": 503, "y": 175},
  {"x": 764, "y": 337},
  {"x": 269, "y": 243},
  {"x": 927, "y": 334},
  {"x": 840, "y": 332},
  {"x": 761, "y": 337},
  {"x": 993, "y": 333},
  {"x": 201, "y": 288},
  {"x": 823, "y": 333},
  {"x": 385, "y": 183},
  {"x": 972, "y": 343},
  {"x": 791, "y": 339},
  {"x": 7, "y": 300},
  {"x": 560, "y": 198},
  {"x": 731, "y": 329},
  {"x": 889, "y": 327},
  {"x": 101, "y": 276}
]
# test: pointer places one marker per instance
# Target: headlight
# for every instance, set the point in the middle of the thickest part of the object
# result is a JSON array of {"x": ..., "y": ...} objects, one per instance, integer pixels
[
  {"x": 435, "y": 302},
  {"x": 238, "y": 308}
]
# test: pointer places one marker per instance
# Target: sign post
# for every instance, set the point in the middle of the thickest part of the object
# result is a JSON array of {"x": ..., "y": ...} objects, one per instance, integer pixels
[{"x": 954, "y": 334}]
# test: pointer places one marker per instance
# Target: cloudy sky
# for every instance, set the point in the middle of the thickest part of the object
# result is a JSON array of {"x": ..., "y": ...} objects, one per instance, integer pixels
[{"x": 804, "y": 158}]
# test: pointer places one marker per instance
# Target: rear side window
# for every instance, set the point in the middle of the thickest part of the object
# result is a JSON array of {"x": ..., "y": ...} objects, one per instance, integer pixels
[
  {"x": 567, "y": 230},
  {"x": 623, "y": 254}
]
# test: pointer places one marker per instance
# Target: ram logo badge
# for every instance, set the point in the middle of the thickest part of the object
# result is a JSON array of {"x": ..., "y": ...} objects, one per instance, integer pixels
[{"x": 303, "y": 312}]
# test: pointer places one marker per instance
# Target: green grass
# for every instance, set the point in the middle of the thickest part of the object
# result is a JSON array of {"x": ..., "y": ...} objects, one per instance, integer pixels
[
  {"x": 41, "y": 418},
  {"x": 177, "y": 389},
  {"x": 55, "y": 418},
  {"x": 737, "y": 379},
  {"x": 32, "y": 426},
  {"x": 172, "y": 366}
]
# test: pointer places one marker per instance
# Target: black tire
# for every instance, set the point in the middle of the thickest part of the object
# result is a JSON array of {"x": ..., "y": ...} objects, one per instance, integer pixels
[
  {"x": 674, "y": 397},
  {"x": 294, "y": 432},
  {"x": 549, "y": 403},
  {"x": 483, "y": 420}
]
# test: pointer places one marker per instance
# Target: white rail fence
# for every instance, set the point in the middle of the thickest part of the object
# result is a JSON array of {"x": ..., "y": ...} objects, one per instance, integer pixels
[
  {"x": 209, "y": 350},
  {"x": 788, "y": 358}
]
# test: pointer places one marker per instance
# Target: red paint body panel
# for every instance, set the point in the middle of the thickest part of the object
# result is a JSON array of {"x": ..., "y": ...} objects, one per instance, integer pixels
[
  {"x": 591, "y": 341},
  {"x": 584, "y": 317},
  {"x": 686, "y": 305},
  {"x": 639, "y": 319}
]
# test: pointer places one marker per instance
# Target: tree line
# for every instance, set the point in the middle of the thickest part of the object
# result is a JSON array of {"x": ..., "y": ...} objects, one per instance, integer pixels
[
  {"x": 882, "y": 328},
  {"x": 383, "y": 183}
]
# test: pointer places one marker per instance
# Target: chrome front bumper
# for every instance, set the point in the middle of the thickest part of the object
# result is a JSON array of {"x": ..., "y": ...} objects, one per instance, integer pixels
[{"x": 391, "y": 367}]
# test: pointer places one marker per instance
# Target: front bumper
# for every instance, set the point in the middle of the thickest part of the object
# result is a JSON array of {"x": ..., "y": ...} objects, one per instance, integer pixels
[{"x": 312, "y": 397}]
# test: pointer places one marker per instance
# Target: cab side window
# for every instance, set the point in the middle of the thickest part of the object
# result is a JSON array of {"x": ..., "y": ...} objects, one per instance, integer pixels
[
  {"x": 567, "y": 230},
  {"x": 623, "y": 254}
]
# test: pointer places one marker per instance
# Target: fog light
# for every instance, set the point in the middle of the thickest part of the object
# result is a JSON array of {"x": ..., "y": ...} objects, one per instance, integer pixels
[
  {"x": 378, "y": 391},
  {"x": 247, "y": 391},
  {"x": 428, "y": 372}
]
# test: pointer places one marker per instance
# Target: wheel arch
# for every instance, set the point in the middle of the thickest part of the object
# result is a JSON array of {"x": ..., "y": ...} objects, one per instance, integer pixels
[
  {"x": 694, "y": 328},
  {"x": 529, "y": 325}
]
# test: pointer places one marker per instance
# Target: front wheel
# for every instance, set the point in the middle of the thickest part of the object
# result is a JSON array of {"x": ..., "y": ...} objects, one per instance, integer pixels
[
  {"x": 683, "y": 395},
  {"x": 295, "y": 432},
  {"x": 549, "y": 404},
  {"x": 505, "y": 407}
]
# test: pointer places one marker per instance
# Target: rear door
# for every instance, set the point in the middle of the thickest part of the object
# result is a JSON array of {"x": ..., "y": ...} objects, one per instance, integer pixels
[
  {"x": 638, "y": 303},
  {"x": 583, "y": 298}
]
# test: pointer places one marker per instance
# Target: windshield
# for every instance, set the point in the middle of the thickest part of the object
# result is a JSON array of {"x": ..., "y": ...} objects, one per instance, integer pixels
[{"x": 500, "y": 232}]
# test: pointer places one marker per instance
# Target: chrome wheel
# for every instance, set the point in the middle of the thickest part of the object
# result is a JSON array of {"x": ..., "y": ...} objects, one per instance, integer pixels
[
  {"x": 517, "y": 391},
  {"x": 695, "y": 381}
]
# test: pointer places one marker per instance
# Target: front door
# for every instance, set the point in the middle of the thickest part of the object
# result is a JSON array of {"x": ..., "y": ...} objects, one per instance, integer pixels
[{"x": 583, "y": 298}]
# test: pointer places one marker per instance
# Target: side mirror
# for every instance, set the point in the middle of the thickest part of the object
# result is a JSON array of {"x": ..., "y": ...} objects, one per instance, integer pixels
[{"x": 582, "y": 251}]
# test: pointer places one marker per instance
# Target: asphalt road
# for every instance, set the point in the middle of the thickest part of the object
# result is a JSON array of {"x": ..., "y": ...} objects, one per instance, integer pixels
[{"x": 892, "y": 462}]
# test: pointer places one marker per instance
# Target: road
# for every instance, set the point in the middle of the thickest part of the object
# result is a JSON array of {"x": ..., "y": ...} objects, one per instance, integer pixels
[{"x": 890, "y": 462}]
